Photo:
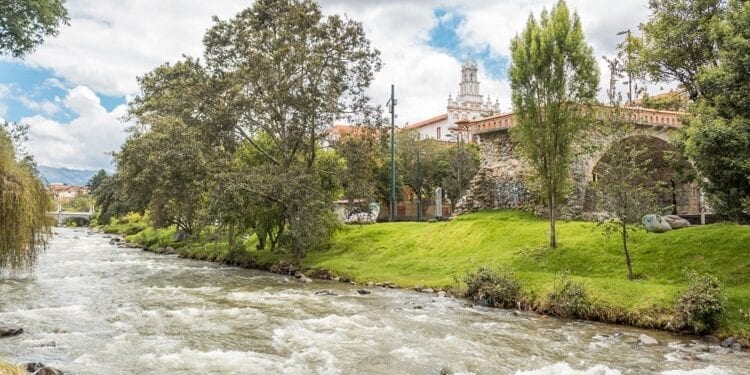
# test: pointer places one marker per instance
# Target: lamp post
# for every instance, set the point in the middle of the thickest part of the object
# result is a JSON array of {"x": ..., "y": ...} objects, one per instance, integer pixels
[
  {"x": 392, "y": 110},
  {"x": 419, "y": 190}
]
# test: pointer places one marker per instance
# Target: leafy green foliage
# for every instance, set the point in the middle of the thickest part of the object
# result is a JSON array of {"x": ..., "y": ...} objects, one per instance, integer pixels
[
  {"x": 24, "y": 203},
  {"x": 461, "y": 164},
  {"x": 701, "y": 306},
  {"x": 235, "y": 140},
  {"x": 677, "y": 40},
  {"x": 363, "y": 156},
  {"x": 568, "y": 298},
  {"x": 497, "y": 289},
  {"x": 25, "y": 23},
  {"x": 718, "y": 138},
  {"x": 97, "y": 179},
  {"x": 554, "y": 77},
  {"x": 622, "y": 187}
]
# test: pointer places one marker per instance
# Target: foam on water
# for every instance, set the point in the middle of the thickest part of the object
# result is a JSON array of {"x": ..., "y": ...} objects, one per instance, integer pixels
[
  {"x": 562, "y": 368},
  {"x": 710, "y": 370}
]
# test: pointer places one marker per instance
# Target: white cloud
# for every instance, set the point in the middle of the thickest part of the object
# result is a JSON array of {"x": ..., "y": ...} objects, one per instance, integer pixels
[
  {"x": 110, "y": 43},
  {"x": 85, "y": 142},
  {"x": 45, "y": 106}
]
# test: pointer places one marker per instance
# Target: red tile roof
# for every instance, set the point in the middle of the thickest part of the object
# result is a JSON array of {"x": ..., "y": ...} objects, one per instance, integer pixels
[{"x": 427, "y": 122}]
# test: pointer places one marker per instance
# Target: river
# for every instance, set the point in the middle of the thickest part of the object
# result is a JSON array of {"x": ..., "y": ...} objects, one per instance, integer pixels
[{"x": 93, "y": 308}]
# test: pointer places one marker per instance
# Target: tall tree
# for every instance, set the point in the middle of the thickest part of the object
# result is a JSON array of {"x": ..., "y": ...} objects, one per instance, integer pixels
[
  {"x": 25, "y": 23},
  {"x": 96, "y": 179},
  {"x": 718, "y": 137},
  {"x": 677, "y": 40},
  {"x": 554, "y": 77},
  {"x": 286, "y": 72},
  {"x": 422, "y": 164},
  {"x": 621, "y": 186},
  {"x": 360, "y": 150},
  {"x": 24, "y": 203},
  {"x": 461, "y": 163}
]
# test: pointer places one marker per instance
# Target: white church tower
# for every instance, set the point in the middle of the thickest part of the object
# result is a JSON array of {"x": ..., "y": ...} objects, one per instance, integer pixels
[{"x": 470, "y": 104}]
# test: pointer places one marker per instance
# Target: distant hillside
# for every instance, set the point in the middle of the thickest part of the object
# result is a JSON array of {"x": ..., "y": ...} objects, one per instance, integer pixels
[{"x": 65, "y": 175}]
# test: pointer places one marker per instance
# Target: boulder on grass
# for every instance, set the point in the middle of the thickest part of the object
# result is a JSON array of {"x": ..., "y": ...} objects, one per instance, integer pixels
[
  {"x": 676, "y": 222},
  {"x": 655, "y": 223}
]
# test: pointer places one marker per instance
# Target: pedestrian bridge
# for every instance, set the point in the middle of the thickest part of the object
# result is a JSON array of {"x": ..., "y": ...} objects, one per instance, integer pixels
[{"x": 61, "y": 216}]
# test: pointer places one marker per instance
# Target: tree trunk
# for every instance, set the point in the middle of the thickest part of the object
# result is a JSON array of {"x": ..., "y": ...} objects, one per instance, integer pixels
[
  {"x": 625, "y": 249},
  {"x": 674, "y": 196},
  {"x": 552, "y": 214},
  {"x": 230, "y": 237}
]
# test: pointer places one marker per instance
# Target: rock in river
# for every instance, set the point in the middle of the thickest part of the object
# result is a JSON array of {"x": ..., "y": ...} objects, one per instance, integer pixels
[
  {"x": 647, "y": 340},
  {"x": 728, "y": 342},
  {"x": 325, "y": 293},
  {"x": 9, "y": 332},
  {"x": 48, "y": 371},
  {"x": 33, "y": 366}
]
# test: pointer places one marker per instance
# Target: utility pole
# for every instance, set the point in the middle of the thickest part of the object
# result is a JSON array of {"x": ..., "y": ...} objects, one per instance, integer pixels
[
  {"x": 419, "y": 190},
  {"x": 392, "y": 110}
]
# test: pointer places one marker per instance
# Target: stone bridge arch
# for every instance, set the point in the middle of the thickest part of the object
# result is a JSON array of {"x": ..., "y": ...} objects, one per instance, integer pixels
[
  {"x": 501, "y": 180},
  {"x": 604, "y": 144},
  {"x": 665, "y": 169}
]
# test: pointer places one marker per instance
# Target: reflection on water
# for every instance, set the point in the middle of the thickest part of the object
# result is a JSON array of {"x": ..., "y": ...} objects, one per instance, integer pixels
[{"x": 92, "y": 308}]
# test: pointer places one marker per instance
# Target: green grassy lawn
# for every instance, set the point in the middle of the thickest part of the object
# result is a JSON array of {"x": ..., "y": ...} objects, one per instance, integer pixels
[{"x": 437, "y": 254}]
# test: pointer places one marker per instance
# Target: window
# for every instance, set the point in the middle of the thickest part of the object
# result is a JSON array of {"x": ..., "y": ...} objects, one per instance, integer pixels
[{"x": 438, "y": 132}]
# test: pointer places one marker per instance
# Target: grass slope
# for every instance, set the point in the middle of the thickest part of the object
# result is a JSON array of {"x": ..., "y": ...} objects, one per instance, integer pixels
[{"x": 437, "y": 254}]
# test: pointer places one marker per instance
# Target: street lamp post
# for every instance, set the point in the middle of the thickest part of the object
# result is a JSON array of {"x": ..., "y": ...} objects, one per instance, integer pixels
[
  {"x": 392, "y": 110},
  {"x": 419, "y": 190}
]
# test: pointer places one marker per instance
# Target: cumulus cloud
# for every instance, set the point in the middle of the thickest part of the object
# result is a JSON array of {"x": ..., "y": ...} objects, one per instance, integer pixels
[
  {"x": 85, "y": 142},
  {"x": 44, "y": 106},
  {"x": 109, "y": 43}
]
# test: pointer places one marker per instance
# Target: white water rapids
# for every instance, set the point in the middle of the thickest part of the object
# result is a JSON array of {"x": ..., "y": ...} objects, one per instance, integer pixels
[{"x": 93, "y": 308}]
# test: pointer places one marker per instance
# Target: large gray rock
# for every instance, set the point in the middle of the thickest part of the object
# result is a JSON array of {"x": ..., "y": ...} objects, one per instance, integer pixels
[
  {"x": 676, "y": 222},
  {"x": 48, "y": 371},
  {"x": 647, "y": 340},
  {"x": 655, "y": 223}
]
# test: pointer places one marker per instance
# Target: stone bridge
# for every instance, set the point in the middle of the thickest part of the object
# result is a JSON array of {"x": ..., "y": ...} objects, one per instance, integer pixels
[
  {"x": 502, "y": 181},
  {"x": 61, "y": 216}
]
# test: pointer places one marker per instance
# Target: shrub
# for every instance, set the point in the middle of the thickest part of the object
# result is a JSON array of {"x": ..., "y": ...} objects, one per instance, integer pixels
[
  {"x": 568, "y": 298},
  {"x": 496, "y": 289},
  {"x": 701, "y": 306}
]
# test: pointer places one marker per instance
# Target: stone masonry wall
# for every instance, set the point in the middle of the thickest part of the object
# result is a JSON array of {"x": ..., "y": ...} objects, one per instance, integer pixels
[{"x": 501, "y": 181}]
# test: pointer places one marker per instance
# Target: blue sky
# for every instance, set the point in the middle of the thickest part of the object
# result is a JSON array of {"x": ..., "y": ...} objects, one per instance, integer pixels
[
  {"x": 445, "y": 37},
  {"x": 27, "y": 85}
]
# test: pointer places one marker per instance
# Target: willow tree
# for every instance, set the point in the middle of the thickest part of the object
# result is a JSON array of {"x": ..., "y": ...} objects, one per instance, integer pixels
[
  {"x": 553, "y": 77},
  {"x": 24, "y": 225}
]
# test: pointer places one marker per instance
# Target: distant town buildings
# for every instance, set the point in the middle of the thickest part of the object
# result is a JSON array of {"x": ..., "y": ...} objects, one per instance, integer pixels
[{"x": 63, "y": 193}]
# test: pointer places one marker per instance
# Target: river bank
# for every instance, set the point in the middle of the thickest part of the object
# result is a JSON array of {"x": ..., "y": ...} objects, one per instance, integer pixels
[{"x": 438, "y": 255}]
